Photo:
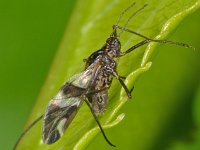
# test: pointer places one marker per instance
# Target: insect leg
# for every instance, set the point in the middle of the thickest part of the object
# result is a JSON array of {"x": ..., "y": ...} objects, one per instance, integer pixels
[
  {"x": 132, "y": 89},
  {"x": 115, "y": 74},
  {"x": 148, "y": 40},
  {"x": 134, "y": 47},
  {"x": 122, "y": 77},
  {"x": 125, "y": 88},
  {"x": 130, "y": 31},
  {"x": 96, "y": 119}
]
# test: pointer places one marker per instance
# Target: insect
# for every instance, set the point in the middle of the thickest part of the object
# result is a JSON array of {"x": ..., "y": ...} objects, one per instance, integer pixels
[{"x": 90, "y": 86}]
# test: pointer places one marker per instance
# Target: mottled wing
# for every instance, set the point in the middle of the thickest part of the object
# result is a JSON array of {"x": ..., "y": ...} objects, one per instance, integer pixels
[
  {"x": 88, "y": 77},
  {"x": 60, "y": 112},
  {"x": 63, "y": 107}
]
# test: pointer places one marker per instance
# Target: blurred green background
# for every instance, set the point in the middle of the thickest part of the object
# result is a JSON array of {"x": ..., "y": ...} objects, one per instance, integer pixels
[{"x": 30, "y": 33}]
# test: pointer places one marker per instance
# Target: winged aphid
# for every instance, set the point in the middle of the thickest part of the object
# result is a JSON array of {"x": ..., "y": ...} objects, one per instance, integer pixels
[{"x": 90, "y": 86}]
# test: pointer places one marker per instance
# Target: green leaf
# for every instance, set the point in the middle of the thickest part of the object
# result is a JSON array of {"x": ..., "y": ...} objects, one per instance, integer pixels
[
  {"x": 89, "y": 27},
  {"x": 194, "y": 144}
]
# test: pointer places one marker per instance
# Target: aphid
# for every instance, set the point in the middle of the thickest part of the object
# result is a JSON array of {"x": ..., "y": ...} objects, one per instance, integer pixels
[{"x": 90, "y": 86}]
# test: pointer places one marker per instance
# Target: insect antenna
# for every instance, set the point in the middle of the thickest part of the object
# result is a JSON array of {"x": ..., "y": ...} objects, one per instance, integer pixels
[
  {"x": 96, "y": 119},
  {"x": 129, "y": 19},
  {"x": 121, "y": 15},
  {"x": 26, "y": 130},
  {"x": 114, "y": 33}
]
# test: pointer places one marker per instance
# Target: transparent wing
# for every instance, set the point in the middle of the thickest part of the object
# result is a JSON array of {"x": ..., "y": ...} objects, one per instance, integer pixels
[{"x": 86, "y": 79}]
